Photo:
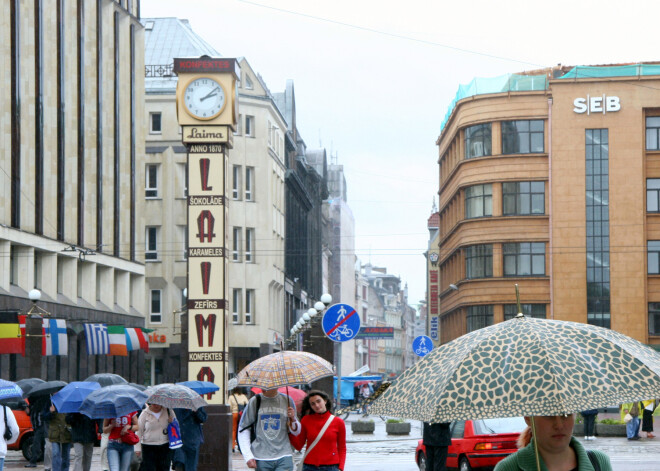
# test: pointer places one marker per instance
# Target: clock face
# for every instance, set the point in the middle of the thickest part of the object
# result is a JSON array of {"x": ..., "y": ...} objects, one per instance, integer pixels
[{"x": 204, "y": 98}]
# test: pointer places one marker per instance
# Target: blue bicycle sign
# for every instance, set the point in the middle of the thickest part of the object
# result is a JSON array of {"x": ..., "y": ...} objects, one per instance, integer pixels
[
  {"x": 422, "y": 345},
  {"x": 341, "y": 322}
]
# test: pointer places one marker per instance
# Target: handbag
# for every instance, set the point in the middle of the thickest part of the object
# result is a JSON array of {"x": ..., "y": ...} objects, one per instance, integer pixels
[
  {"x": 130, "y": 438},
  {"x": 318, "y": 437},
  {"x": 7, "y": 435},
  {"x": 627, "y": 418},
  {"x": 174, "y": 435}
]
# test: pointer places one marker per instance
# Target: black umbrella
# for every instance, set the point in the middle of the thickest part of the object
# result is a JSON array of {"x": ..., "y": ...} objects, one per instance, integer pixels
[
  {"x": 46, "y": 388},
  {"x": 107, "y": 379},
  {"x": 28, "y": 383}
]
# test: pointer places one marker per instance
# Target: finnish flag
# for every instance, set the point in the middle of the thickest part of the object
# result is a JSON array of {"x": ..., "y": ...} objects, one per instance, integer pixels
[
  {"x": 57, "y": 342},
  {"x": 98, "y": 342}
]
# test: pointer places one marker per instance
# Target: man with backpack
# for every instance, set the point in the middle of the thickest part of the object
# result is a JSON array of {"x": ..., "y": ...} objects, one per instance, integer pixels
[{"x": 263, "y": 432}]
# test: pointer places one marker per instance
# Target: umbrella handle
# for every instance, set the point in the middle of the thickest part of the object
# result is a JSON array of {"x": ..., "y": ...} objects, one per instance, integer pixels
[{"x": 536, "y": 447}]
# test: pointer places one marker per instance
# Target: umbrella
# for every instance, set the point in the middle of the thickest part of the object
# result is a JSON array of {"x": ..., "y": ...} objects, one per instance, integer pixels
[
  {"x": 232, "y": 384},
  {"x": 201, "y": 387},
  {"x": 107, "y": 379},
  {"x": 141, "y": 387},
  {"x": 9, "y": 390},
  {"x": 28, "y": 383},
  {"x": 296, "y": 394},
  {"x": 524, "y": 366},
  {"x": 113, "y": 401},
  {"x": 71, "y": 396},
  {"x": 46, "y": 388},
  {"x": 284, "y": 368},
  {"x": 174, "y": 396}
]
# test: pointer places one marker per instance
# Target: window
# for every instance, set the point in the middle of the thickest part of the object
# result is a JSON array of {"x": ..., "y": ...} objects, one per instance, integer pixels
[
  {"x": 249, "y": 126},
  {"x": 477, "y": 141},
  {"x": 249, "y": 181},
  {"x": 155, "y": 126},
  {"x": 479, "y": 261},
  {"x": 653, "y": 133},
  {"x": 183, "y": 231},
  {"x": 236, "y": 182},
  {"x": 479, "y": 317},
  {"x": 521, "y": 198},
  {"x": 236, "y": 247},
  {"x": 236, "y": 306},
  {"x": 653, "y": 195},
  {"x": 151, "y": 181},
  {"x": 248, "y": 82},
  {"x": 154, "y": 307},
  {"x": 522, "y": 137},
  {"x": 654, "y": 318},
  {"x": 524, "y": 259},
  {"x": 249, "y": 306},
  {"x": 249, "y": 245},
  {"x": 478, "y": 201},
  {"x": 182, "y": 179},
  {"x": 151, "y": 243},
  {"x": 530, "y": 310},
  {"x": 653, "y": 255}
]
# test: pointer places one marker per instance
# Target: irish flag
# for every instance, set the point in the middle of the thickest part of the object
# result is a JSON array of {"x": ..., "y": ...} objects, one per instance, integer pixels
[
  {"x": 117, "y": 337},
  {"x": 136, "y": 339}
]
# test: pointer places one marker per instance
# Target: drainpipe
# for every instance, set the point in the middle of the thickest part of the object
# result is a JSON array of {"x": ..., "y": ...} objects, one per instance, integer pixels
[{"x": 550, "y": 241}]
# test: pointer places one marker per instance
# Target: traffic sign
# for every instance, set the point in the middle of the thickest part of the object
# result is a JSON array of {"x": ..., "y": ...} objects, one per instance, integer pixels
[
  {"x": 341, "y": 322},
  {"x": 422, "y": 345}
]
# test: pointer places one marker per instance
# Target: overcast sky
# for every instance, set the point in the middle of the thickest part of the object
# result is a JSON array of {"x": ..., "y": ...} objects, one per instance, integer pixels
[{"x": 373, "y": 80}]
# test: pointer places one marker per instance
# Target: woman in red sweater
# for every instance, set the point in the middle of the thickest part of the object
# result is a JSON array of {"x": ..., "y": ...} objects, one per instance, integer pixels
[{"x": 329, "y": 453}]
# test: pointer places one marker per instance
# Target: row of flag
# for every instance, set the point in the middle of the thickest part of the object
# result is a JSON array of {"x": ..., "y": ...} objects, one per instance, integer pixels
[{"x": 101, "y": 339}]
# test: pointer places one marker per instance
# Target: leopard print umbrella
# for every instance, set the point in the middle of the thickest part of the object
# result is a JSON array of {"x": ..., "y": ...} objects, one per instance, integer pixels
[{"x": 524, "y": 366}]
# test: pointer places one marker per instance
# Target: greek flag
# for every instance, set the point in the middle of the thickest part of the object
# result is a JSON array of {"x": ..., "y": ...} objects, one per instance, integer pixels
[{"x": 98, "y": 342}]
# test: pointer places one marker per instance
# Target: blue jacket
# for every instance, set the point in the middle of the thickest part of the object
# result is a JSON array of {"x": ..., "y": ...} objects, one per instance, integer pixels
[{"x": 190, "y": 424}]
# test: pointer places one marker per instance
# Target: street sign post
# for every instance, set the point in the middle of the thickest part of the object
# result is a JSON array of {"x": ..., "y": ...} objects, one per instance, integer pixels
[
  {"x": 341, "y": 322},
  {"x": 422, "y": 345}
]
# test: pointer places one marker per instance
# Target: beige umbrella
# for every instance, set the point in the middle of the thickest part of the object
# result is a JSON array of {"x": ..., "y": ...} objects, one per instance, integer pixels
[{"x": 284, "y": 368}]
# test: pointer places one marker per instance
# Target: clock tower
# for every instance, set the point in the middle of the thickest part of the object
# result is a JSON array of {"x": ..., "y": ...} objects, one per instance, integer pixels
[{"x": 207, "y": 113}]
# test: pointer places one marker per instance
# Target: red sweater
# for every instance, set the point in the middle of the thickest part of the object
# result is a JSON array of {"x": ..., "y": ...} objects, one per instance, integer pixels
[{"x": 331, "y": 449}]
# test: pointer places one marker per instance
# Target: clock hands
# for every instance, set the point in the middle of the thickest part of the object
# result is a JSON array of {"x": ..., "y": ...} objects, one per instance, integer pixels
[{"x": 212, "y": 93}]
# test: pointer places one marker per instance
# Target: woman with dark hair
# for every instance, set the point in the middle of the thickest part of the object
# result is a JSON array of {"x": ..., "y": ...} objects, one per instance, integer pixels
[{"x": 324, "y": 434}]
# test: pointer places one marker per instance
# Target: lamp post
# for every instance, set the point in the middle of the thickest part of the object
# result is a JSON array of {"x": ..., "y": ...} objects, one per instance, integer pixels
[{"x": 33, "y": 335}]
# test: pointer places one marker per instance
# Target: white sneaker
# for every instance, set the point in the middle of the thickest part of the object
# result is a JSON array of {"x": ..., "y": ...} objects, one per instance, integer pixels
[
  {"x": 586, "y": 438},
  {"x": 593, "y": 438}
]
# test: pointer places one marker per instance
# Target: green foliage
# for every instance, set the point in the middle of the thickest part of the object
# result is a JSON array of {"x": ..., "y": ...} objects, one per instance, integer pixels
[
  {"x": 394, "y": 421},
  {"x": 610, "y": 422}
]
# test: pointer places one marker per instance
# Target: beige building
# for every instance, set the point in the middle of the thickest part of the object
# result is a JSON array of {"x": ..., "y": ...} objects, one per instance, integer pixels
[
  {"x": 255, "y": 192},
  {"x": 550, "y": 179},
  {"x": 72, "y": 152}
]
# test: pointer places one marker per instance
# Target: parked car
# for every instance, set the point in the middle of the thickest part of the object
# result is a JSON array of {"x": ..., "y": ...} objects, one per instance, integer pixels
[
  {"x": 24, "y": 443},
  {"x": 478, "y": 444}
]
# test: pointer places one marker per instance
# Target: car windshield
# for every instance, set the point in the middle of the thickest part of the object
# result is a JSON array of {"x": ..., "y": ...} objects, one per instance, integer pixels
[{"x": 508, "y": 425}]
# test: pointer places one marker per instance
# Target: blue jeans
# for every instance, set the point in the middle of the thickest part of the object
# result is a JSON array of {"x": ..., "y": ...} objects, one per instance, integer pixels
[
  {"x": 632, "y": 427},
  {"x": 283, "y": 464},
  {"x": 119, "y": 456},
  {"x": 2, "y": 463},
  {"x": 61, "y": 452}
]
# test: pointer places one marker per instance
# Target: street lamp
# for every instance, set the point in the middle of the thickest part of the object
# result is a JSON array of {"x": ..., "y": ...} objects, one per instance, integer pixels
[{"x": 309, "y": 318}]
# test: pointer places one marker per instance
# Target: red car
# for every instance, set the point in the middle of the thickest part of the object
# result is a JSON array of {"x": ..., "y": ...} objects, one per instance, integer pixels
[{"x": 478, "y": 443}]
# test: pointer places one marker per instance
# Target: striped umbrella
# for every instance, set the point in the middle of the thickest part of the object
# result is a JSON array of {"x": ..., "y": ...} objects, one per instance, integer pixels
[
  {"x": 9, "y": 390},
  {"x": 174, "y": 396},
  {"x": 285, "y": 369}
]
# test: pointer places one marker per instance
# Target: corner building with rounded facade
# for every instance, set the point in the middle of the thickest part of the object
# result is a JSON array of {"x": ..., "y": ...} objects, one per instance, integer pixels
[{"x": 551, "y": 180}]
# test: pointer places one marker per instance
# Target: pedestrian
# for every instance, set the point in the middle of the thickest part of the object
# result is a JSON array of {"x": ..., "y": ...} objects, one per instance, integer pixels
[
  {"x": 59, "y": 434},
  {"x": 557, "y": 448},
  {"x": 155, "y": 443},
  {"x": 324, "y": 434},
  {"x": 647, "y": 417},
  {"x": 237, "y": 403},
  {"x": 83, "y": 436},
  {"x": 436, "y": 439},
  {"x": 632, "y": 425},
  {"x": 190, "y": 425},
  {"x": 365, "y": 392},
  {"x": 36, "y": 409},
  {"x": 589, "y": 417},
  {"x": 267, "y": 413},
  {"x": 120, "y": 431},
  {"x": 8, "y": 425}
]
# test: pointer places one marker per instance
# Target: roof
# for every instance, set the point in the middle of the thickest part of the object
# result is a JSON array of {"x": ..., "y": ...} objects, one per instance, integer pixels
[
  {"x": 434, "y": 221},
  {"x": 165, "y": 39}
]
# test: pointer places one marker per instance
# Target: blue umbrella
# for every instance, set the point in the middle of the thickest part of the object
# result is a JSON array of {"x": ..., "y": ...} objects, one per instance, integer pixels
[
  {"x": 71, "y": 396},
  {"x": 9, "y": 389},
  {"x": 114, "y": 401},
  {"x": 200, "y": 387}
]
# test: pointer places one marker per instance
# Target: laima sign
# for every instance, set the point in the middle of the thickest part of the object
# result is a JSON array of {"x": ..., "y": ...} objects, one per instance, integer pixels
[{"x": 596, "y": 104}]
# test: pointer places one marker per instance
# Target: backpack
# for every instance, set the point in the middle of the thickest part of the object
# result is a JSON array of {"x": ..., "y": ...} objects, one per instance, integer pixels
[{"x": 253, "y": 425}]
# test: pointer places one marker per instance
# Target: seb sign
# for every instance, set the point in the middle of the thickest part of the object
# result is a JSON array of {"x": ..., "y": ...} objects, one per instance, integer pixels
[{"x": 596, "y": 104}]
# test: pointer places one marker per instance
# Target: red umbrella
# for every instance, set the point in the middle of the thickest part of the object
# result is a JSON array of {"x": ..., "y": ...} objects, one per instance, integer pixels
[
  {"x": 361, "y": 383},
  {"x": 296, "y": 394}
]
